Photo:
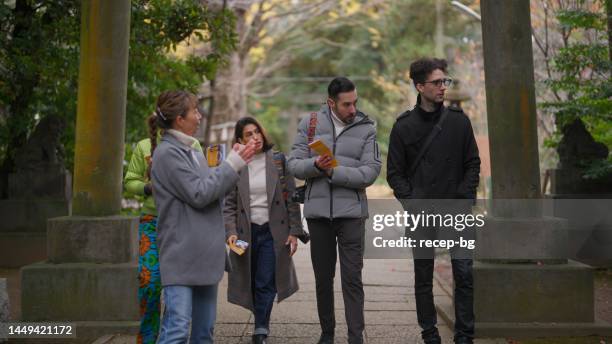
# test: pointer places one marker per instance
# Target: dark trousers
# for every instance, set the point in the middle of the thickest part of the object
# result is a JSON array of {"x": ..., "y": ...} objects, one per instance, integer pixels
[
  {"x": 349, "y": 235},
  {"x": 263, "y": 265},
  {"x": 464, "y": 298}
]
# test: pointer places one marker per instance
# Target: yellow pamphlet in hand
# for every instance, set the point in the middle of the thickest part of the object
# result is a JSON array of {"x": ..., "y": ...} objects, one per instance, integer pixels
[
  {"x": 239, "y": 247},
  {"x": 215, "y": 154},
  {"x": 321, "y": 149},
  {"x": 212, "y": 156}
]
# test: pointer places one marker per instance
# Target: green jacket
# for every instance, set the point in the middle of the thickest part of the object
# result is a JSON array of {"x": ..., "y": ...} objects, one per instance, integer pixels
[{"x": 135, "y": 177}]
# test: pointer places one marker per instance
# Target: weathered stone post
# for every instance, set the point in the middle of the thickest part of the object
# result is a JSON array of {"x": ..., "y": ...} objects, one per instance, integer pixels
[
  {"x": 90, "y": 277},
  {"x": 523, "y": 283},
  {"x": 100, "y": 126}
]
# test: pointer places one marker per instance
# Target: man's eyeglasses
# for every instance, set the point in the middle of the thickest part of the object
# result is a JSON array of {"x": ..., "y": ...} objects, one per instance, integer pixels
[{"x": 439, "y": 82}]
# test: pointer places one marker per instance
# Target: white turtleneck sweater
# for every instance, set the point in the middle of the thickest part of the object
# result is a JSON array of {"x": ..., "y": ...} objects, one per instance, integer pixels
[
  {"x": 338, "y": 124},
  {"x": 258, "y": 194}
]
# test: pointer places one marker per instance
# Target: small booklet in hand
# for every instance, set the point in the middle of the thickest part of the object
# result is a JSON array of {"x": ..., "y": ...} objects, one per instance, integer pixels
[
  {"x": 321, "y": 149},
  {"x": 215, "y": 154},
  {"x": 239, "y": 247}
]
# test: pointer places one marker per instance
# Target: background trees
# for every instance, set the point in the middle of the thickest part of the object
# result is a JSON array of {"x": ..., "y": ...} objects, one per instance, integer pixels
[
  {"x": 573, "y": 66},
  {"x": 39, "y": 52},
  {"x": 274, "y": 58}
]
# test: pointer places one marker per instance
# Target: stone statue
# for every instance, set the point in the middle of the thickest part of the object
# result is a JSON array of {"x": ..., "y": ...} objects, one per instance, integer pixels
[
  {"x": 578, "y": 146},
  {"x": 43, "y": 150},
  {"x": 39, "y": 165}
]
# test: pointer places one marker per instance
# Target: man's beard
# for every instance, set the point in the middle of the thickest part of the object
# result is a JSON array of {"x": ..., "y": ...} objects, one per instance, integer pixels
[{"x": 345, "y": 121}]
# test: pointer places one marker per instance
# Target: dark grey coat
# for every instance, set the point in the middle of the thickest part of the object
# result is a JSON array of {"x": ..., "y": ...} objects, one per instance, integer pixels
[
  {"x": 343, "y": 195},
  {"x": 188, "y": 197},
  {"x": 283, "y": 220}
]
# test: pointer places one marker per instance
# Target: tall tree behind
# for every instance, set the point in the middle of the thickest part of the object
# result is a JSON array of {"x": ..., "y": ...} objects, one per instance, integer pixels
[
  {"x": 39, "y": 51},
  {"x": 267, "y": 35}
]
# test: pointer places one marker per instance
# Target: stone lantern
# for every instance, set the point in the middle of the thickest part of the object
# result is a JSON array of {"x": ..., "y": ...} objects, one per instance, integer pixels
[{"x": 455, "y": 94}]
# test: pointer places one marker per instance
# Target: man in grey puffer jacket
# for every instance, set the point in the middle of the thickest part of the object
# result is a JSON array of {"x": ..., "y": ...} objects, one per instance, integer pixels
[{"x": 335, "y": 204}]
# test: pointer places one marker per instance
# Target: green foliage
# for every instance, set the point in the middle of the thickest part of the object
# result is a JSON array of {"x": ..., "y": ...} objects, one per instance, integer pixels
[
  {"x": 376, "y": 44},
  {"x": 39, "y": 63},
  {"x": 274, "y": 125},
  {"x": 583, "y": 68},
  {"x": 157, "y": 28},
  {"x": 574, "y": 18},
  {"x": 39, "y": 55}
]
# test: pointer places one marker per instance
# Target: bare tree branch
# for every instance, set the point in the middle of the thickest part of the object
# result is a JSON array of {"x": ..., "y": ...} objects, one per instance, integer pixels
[
  {"x": 250, "y": 38},
  {"x": 268, "y": 94},
  {"x": 301, "y": 10},
  {"x": 266, "y": 69}
]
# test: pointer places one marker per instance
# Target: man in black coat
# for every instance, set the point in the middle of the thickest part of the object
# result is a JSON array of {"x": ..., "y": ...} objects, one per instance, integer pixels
[{"x": 448, "y": 169}]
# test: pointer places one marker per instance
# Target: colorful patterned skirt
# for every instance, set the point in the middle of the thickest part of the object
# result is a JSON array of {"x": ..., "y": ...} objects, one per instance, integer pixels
[{"x": 150, "y": 281}]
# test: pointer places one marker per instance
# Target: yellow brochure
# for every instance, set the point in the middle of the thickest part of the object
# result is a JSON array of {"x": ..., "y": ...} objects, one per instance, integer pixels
[{"x": 321, "y": 149}]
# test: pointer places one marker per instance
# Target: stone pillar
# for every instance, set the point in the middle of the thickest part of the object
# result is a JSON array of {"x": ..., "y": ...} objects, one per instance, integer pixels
[
  {"x": 511, "y": 108},
  {"x": 100, "y": 126},
  {"x": 90, "y": 277},
  {"x": 523, "y": 283}
]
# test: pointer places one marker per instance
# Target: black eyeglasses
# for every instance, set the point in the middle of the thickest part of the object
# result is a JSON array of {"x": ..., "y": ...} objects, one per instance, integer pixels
[{"x": 439, "y": 82}]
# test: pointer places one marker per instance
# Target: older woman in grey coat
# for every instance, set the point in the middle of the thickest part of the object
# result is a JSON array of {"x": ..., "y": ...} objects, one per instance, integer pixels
[
  {"x": 260, "y": 212},
  {"x": 191, "y": 237}
]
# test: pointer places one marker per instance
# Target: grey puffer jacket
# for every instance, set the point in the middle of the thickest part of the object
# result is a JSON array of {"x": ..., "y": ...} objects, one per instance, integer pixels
[{"x": 356, "y": 150}]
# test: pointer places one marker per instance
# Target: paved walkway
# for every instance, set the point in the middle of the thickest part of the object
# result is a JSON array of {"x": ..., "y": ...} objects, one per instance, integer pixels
[{"x": 390, "y": 311}]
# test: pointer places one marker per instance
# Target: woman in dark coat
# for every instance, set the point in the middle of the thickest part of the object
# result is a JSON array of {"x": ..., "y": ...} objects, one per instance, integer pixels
[{"x": 260, "y": 212}]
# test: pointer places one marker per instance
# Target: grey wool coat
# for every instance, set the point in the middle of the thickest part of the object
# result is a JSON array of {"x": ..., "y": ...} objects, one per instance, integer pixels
[
  {"x": 188, "y": 197},
  {"x": 284, "y": 219}
]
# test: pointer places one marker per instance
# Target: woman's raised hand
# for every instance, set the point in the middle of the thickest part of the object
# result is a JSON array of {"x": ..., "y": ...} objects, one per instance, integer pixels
[{"x": 247, "y": 151}]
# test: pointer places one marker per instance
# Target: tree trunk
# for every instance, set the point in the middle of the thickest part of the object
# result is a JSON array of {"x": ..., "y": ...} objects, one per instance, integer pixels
[{"x": 230, "y": 91}]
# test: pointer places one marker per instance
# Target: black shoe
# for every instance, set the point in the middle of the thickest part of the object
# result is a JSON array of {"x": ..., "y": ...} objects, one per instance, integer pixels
[
  {"x": 326, "y": 339},
  {"x": 464, "y": 340},
  {"x": 434, "y": 339},
  {"x": 259, "y": 339}
]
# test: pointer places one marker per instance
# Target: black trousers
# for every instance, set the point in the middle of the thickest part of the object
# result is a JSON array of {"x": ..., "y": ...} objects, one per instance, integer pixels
[
  {"x": 463, "y": 294},
  {"x": 349, "y": 236},
  {"x": 461, "y": 260}
]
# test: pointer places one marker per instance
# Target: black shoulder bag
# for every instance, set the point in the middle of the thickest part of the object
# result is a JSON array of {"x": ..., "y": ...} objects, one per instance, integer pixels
[{"x": 432, "y": 135}]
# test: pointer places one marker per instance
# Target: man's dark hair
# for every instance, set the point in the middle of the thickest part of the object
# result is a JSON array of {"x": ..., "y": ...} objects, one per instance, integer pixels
[
  {"x": 339, "y": 85},
  {"x": 421, "y": 68}
]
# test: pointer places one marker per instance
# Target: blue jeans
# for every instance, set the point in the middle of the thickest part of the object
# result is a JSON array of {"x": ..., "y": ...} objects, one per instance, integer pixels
[
  {"x": 188, "y": 304},
  {"x": 263, "y": 266}
]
